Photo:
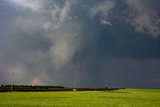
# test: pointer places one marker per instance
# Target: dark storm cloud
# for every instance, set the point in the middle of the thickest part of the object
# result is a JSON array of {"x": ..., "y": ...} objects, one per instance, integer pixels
[
  {"x": 144, "y": 16},
  {"x": 80, "y": 43}
]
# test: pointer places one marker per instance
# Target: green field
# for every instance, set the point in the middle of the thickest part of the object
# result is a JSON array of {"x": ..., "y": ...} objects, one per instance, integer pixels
[{"x": 119, "y": 98}]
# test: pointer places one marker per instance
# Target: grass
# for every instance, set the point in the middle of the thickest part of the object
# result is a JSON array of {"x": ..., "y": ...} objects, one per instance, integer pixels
[{"x": 119, "y": 98}]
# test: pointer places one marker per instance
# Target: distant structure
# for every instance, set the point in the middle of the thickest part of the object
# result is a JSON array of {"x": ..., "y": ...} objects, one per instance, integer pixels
[
  {"x": 12, "y": 81},
  {"x": 74, "y": 89}
]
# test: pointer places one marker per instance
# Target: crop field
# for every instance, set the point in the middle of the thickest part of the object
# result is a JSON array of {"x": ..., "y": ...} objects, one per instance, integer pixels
[{"x": 116, "y": 98}]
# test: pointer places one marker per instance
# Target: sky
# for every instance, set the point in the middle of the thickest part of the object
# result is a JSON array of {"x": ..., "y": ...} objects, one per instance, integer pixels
[{"x": 80, "y": 43}]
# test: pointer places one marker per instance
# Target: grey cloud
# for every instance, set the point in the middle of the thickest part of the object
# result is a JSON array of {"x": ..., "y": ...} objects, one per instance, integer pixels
[
  {"x": 65, "y": 34},
  {"x": 104, "y": 9},
  {"x": 144, "y": 16},
  {"x": 33, "y": 5},
  {"x": 38, "y": 44}
]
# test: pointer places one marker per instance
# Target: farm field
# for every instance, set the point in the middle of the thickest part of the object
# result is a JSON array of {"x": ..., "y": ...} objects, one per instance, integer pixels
[{"x": 116, "y": 98}]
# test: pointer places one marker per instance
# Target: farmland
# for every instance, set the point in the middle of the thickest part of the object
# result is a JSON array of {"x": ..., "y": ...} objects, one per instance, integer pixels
[{"x": 112, "y": 98}]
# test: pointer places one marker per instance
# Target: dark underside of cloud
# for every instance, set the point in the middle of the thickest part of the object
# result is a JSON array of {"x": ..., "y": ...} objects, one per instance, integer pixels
[{"x": 80, "y": 43}]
